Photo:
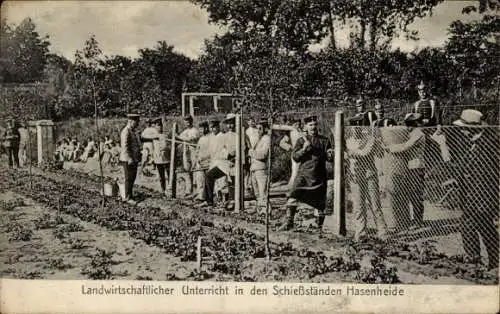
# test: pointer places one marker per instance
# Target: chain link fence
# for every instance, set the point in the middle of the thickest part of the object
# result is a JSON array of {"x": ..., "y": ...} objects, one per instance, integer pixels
[{"x": 415, "y": 184}]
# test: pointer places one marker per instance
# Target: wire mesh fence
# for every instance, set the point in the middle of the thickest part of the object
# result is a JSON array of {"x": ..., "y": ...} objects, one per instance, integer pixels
[{"x": 416, "y": 184}]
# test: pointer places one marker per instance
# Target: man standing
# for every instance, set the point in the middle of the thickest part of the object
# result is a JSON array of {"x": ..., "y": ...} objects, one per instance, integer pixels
[
  {"x": 475, "y": 154},
  {"x": 202, "y": 160},
  {"x": 23, "y": 143},
  {"x": 190, "y": 135},
  {"x": 381, "y": 121},
  {"x": 427, "y": 107},
  {"x": 160, "y": 152},
  {"x": 364, "y": 117},
  {"x": 251, "y": 139},
  {"x": 408, "y": 167},
  {"x": 130, "y": 156},
  {"x": 361, "y": 149},
  {"x": 259, "y": 164},
  {"x": 11, "y": 138},
  {"x": 311, "y": 151},
  {"x": 147, "y": 143}
]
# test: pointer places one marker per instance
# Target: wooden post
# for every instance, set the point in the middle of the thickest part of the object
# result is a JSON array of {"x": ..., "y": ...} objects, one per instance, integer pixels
[
  {"x": 268, "y": 191},
  {"x": 198, "y": 254},
  {"x": 172, "y": 177},
  {"x": 183, "y": 104},
  {"x": 339, "y": 192},
  {"x": 238, "y": 186}
]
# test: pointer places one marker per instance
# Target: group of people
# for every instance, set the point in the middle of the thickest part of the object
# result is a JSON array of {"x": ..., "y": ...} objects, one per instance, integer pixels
[
  {"x": 469, "y": 150},
  {"x": 70, "y": 149}
]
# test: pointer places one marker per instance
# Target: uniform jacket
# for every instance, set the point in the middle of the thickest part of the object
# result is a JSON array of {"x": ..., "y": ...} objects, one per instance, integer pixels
[{"x": 130, "y": 144}]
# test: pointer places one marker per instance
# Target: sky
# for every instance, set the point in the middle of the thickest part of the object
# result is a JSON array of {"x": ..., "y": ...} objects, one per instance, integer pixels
[{"x": 123, "y": 27}]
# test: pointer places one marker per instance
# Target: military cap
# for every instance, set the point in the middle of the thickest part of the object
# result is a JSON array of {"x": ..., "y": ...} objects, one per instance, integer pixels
[
  {"x": 188, "y": 118},
  {"x": 133, "y": 116},
  {"x": 410, "y": 117},
  {"x": 230, "y": 117},
  {"x": 310, "y": 119},
  {"x": 214, "y": 122},
  {"x": 264, "y": 122},
  {"x": 203, "y": 124}
]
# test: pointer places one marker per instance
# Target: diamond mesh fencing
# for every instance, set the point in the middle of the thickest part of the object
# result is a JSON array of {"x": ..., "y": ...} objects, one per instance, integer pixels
[{"x": 415, "y": 184}]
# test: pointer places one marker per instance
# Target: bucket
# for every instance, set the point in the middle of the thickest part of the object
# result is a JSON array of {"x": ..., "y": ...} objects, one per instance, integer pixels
[{"x": 110, "y": 189}]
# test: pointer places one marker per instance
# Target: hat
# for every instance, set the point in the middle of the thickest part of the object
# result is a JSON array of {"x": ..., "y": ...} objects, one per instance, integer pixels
[
  {"x": 203, "y": 124},
  {"x": 264, "y": 121},
  {"x": 188, "y": 118},
  {"x": 230, "y": 117},
  {"x": 421, "y": 85},
  {"x": 355, "y": 120},
  {"x": 470, "y": 117},
  {"x": 310, "y": 119},
  {"x": 214, "y": 122},
  {"x": 413, "y": 116},
  {"x": 133, "y": 116},
  {"x": 156, "y": 121}
]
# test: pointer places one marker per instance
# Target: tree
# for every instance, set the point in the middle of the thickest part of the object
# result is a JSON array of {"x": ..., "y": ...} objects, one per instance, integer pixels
[
  {"x": 383, "y": 19},
  {"x": 23, "y": 52}
]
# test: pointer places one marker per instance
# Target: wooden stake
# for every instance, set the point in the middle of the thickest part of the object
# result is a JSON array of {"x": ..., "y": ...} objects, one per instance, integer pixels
[
  {"x": 268, "y": 191},
  {"x": 172, "y": 177},
  {"x": 238, "y": 186},
  {"x": 339, "y": 192},
  {"x": 30, "y": 154},
  {"x": 198, "y": 254},
  {"x": 101, "y": 175}
]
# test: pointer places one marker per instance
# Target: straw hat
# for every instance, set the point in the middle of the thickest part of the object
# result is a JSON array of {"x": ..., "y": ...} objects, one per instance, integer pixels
[{"x": 470, "y": 118}]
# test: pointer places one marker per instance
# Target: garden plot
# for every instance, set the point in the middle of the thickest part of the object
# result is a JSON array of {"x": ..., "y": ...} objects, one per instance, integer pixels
[{"x": 40, "y": 243}]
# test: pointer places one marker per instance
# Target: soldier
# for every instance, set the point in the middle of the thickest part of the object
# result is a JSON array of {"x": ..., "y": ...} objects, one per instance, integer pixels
[
  {"x": 130, "y": 155},
  {"x": 364, "y": 117},
  {"x": 202, "y": 160},
  {"x": 89, "y": 150},
  {"x": 362, "y": 149},
  {"x": 190, "y": 135},
  {"x": 147, "y": 143},
  {"x": 259, "y": 164},
  {"x": 427, "y": 107},
  {"x": 311, "y": 151},
  {"x": 160, "y": 152},
  {"x": 475, "y": 151},
  {"x": 12, "y": 138},
  {"x": 381, "y": 121},
  {"x": 23, "y": 143}
]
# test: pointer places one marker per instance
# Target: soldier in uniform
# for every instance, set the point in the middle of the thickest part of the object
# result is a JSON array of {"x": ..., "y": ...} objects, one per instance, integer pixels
[
  {"x": 12, "y": 139},
  {"x": 190, "y": 135},
  {"x": 381, "y": 121},
  {"x": 363, "y": 117},
  {"x": 427, "y": 107},
  {"x": 130, "y": 155},
  {"x": 202, "y": 160},
  {"x": 160, "y": 151},
  {"x": 259, "y": 154},
  {"x": 311, "y": 151}
]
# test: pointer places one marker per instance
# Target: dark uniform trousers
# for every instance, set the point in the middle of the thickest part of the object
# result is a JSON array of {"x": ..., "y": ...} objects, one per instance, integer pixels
[
  {"x": 13, "y": 154},
  {"x": 130, "y": 171}
]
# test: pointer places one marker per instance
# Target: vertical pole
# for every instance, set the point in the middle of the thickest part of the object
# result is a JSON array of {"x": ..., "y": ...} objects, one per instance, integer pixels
[
  {"x": 172, "y": 177},
  {"x": 30, "y": 154},
  {"x": 238, "y": 187},
  {"x": 191, "y": 105},
  {"x": 183, "y": 105},
  {"x": 268, "y": 190},
  {"x": 339, "y": 192},
  {"x": 198, "y": 254}
]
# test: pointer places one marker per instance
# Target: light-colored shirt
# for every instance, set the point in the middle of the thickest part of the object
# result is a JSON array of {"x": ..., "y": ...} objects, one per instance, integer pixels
[
  {"x": 203, "y": 151},
  {"x": 253, "y": 136},
  {"x": 260, "y": 153}
]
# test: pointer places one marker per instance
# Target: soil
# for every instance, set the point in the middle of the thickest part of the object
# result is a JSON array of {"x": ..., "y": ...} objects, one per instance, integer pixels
[{"x": 131, "y": 258}]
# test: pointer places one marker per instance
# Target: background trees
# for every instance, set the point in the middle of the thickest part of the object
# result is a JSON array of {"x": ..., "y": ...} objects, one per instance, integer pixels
[{"x": 265, "y": 52}]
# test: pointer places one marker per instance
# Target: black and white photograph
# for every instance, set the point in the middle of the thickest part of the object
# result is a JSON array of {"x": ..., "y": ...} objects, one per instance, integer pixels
[{"x": 301, "y": 141}]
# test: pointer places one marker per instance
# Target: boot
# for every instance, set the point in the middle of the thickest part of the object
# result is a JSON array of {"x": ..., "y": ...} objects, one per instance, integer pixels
[{"x": 290, "y": 215}]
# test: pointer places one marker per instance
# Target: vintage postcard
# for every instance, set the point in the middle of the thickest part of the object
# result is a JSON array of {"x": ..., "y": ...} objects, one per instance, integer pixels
[{"x": 264, "y": 156}]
